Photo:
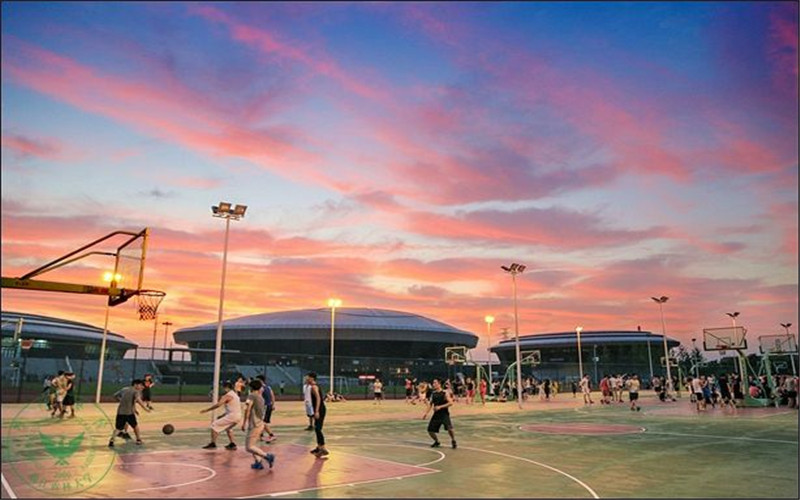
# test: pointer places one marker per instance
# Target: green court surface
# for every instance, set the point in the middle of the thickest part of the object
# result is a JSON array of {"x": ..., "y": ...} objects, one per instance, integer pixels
[{"x": 556, "y": 449}]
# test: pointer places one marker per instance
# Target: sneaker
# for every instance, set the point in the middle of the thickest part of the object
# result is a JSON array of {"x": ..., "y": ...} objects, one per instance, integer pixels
[
  {"x": 454, "y": 445},
  {"x": 314, "y": 451},
  {"x": 257, "y": 466},
  {"x": 230, "y": 446},
  {"x": 638, "y": 408},
  {"x": 270, "y": 459},
  {"x": 436, "y": 444},
  {"x": 323, "y": 452},
  {"x": 111, "y": 444},
  {"x": 138, "y": 441},
  {"x": 210, "y": 446}
]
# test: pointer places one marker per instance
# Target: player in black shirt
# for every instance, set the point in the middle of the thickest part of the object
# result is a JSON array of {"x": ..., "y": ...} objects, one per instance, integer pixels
[{"x": 440, "y": 402}]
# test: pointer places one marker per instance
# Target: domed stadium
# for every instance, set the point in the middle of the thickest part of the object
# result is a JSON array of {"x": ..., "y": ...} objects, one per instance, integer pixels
[{"x": 366, "y": 341}]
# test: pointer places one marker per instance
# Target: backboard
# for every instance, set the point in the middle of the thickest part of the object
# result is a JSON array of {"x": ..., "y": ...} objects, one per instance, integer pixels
[
  {"x": 456, "y": 355},
  {"x": 533, "y": 358},
  {"x": 723, "y": 339},
  {"x": 123, "y": 283},
  {"x": 777, "y": 344},
  {"x": 673, "y": 362}
]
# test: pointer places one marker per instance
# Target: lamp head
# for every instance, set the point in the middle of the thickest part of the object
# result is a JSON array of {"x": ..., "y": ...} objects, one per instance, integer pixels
[
  {"x": 239, "y": 210},
  {"x": 224, "y": 206},
  {"x": 733, "y": 314},
  {"x": 489, "y": 319},
  {"x": 334, "y": 302},
  {"x": 578, "y": 329}
]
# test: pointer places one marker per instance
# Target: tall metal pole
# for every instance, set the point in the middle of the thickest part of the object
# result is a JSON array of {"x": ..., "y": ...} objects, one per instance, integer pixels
[
  {"x": 102, "y": 356},
  {"x": 650, "y": 358},
  {"x": 166, "y": 324},
  {"x": 578, "y": 331},
  {"x": 666, "y": 349},
  {"x": 696, "y": 360},
  {"x": 489, "y": 321},
  {"x": 516, "y": 337},
  {"x": 153, "y": 344},
  {"x": 332, "y": 304},
  {"x": 738, "y": 353},
  {"x": 218, "y": 345}
]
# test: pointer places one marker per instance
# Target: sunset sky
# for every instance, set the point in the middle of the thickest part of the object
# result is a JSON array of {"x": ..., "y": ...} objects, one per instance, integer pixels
[{"x": 395, "y": 155}]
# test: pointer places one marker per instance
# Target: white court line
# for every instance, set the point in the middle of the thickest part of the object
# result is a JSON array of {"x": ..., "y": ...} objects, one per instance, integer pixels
[
  {"x": 7, "y": 486},
  {"x": 441, "y": 455},
  {"x": 565, "y": 474},
  {"x": 577, "y": 433},
  {"x": 294, "y": 492},
  {"x": 213, "y": 473},
  {"x": 723, "y": 437}
]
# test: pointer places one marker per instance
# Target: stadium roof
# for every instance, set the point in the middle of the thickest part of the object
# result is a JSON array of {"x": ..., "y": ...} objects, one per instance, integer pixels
[
  {"x": 358, "y": 321},
  {"x": 569, "y": 339},
  {"x": 55, "y": 329}
]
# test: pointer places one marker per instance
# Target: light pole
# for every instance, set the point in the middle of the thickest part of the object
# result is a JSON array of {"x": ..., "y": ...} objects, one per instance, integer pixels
[
  {"x": 166, "y": 324},
  {"x": 791, "y": 354},
  {"x": 661, "y": 300},
  {"x": 515, "y": 269},
  {"x": 223, "y": 211},
  {"x": 113, "y": 279},
  {"x": 333, "y": 304},
  {"x": 733, "y": 317},
  {"x": 694, "y": 357},
  {"x": 153, "y": 344},
  {"x": 489, "y": 320},
  {"x": 578, "y": 330}
]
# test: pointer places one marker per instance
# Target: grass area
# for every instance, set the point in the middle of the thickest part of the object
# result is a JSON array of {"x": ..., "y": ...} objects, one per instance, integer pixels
[{"x": 752, "y": 453}]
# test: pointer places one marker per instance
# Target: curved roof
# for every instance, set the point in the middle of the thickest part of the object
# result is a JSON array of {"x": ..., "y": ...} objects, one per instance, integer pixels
[
  {"x": 46, "y": 327},
  {"x": 569, "y": 339},
  {"x": 360, "y": 322}
]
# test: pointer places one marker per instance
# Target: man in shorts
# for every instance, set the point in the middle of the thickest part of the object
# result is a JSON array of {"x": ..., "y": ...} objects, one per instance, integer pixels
[
  {"x": 586, "y": 390},
  {"x": 230, "y": 419},
  {"x": 633, "y": 391},
  {"x": 308, "y": 406},
  {"x": 377, "y": 390},
  {"x": 60, "y": 387},
  {"x": 129, "y": 397},
  {"x": 440, "y": 403},
  {"x": 254, "y": 416},
  {"x": 69, "y": 397},
  {"x": 269, "y": 406},
  {"x": 318, "y": 404},
  {"x": 147, "y": 394}
]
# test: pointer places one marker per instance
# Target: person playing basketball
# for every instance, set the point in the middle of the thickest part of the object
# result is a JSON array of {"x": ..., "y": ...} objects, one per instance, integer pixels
[
  {"x": 229, "y": 420},
  {"x": 377, "y": 389},
  {"x": 318, "y": 404},
  {"x": 269, "y": 406},
  {"x": 129, "y": 397},
  {"x": 254, "y": 412},
  {"x": 440, "y": 403},
  {"x": 147, "y": 395}
]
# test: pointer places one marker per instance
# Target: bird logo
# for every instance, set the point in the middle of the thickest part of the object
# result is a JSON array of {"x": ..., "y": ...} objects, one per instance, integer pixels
[{"x": 62, "y": 450}]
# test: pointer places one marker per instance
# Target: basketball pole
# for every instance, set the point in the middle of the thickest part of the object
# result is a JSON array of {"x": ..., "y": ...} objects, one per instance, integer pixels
[{"x": 103, "y": 353}]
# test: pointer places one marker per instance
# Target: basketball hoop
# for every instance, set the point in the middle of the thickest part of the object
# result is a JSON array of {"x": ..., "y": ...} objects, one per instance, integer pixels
[{"x": 147, "y": 302}]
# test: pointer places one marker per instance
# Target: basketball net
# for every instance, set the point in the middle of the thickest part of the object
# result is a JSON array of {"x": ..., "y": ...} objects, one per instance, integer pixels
[{"x": 147, "y": 302}]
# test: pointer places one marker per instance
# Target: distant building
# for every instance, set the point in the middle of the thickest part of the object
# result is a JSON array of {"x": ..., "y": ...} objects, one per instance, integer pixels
[
  {"x": 390, "y": 344},
  {"x": 59, "y": 338},
  {"x": 603, "y": 352}
]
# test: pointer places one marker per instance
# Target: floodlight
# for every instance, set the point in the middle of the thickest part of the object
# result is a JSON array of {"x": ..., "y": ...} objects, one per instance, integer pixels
[
  {"x": 239, "y": 210},
  {"x": 224, "y": 206}
]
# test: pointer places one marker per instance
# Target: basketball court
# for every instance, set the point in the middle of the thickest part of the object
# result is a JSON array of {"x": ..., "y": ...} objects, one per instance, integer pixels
[{"x": 555, "y": 449}]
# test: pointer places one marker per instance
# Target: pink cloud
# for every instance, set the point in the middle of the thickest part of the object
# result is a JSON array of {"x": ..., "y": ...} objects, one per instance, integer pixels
[{"x": 41, "y": 148}]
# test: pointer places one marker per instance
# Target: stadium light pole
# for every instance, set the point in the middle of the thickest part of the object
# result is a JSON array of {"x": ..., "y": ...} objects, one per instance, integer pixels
[
  {"x": 733, "y": 317},
  {"x": 791, "y": 355},
  {"x": 515, "y": 269},
  {"x": 112, "y": 279},
  {"x": 660, "y": 301},
  {"x": 695, "y": 357},
  {"x": 489, "y": 320},
  {"x": 333, "y": 304},
  {"x": 578, "y": 330},
  {"x": 223, "y": 211},
  {"x": 166, "y": 324}
]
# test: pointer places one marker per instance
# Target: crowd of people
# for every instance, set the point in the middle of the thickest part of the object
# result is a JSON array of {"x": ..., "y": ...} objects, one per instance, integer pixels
[{"x": 727, "y": 390}]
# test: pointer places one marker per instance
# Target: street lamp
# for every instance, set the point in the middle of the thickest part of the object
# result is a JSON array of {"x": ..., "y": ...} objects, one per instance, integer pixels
[
  {"x": 694, "y": 357},
  {"x": 733, "y": 317},
  {"x": 515, "y": 269},
  {"x": 661, "y": 300},
  {"x": 578, "y": 330},
  {"x": 333, "y": 304},
  {"x": 489, "y": 320},
  {"x": 223, "y": 211},
  {"x": 166, "y": 324}
]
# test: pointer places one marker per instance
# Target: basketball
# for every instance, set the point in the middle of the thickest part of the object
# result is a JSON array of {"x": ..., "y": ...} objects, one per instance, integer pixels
[{"x": 168, "y": 429}]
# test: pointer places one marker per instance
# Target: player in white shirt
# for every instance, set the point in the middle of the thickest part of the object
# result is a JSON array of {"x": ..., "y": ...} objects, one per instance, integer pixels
[{"x": 229, "y": 420}]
